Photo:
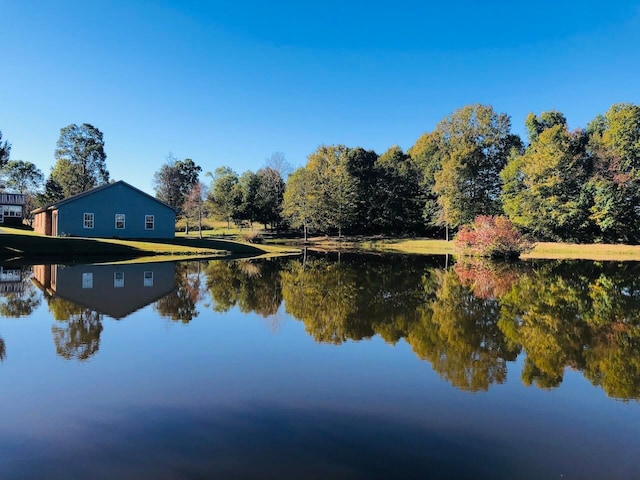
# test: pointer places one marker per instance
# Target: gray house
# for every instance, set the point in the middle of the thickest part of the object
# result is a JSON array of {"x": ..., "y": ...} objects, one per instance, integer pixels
[{"x": 112, "y": 210}]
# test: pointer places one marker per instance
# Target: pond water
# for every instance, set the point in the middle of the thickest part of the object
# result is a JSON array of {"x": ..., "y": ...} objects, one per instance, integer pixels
[{"x": 327, "y": 366}]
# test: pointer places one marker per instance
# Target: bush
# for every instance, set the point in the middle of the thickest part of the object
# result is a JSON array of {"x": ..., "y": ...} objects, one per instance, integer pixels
[
  {"x": 489, "y": 236},
  {"x": 252, "y": 237}
]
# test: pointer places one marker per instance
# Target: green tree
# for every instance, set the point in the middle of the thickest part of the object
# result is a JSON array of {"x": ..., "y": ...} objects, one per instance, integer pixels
[
  {"x": 225, "y": 193},
  {"x": 5, "y": 151},
  {"x": 269, "y": 196},
  {"x": 614, "y": 188},
  {"x": 475, "y": 143},
  {"x": 542, "y": 186},
  {"x": 536, "y": 124},
  {"x": 335, "y": 205},
  {"x": 399, "y": 198},
  {"x": 80, "y": 159},
  {"x": 361, "y": 165},
  {"x": 175, "y": 180},
  {"x": 427, "y": 155},
  {"x": 52, "y": 193},
  {"x": 299, "y": 199},
  {"x": 24, "y": 178}
]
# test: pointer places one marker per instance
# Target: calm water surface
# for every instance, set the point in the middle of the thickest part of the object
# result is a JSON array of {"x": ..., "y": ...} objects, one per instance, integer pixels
[{"x": 358, "y": 367}]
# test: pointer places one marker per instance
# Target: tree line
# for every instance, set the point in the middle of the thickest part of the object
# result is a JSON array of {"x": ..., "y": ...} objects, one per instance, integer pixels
[
  {"x": 571, "y": 185},
  {"x": 563, "y": 185}
]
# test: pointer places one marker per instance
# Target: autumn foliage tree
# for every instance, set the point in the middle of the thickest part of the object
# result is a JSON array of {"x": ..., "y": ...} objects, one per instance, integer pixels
[{"x": 491, "y": 236}]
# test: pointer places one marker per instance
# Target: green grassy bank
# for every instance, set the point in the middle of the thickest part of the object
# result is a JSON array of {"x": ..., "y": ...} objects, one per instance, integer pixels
[
  {"x": 542, "y": 250},
  {"x": 24, "y": 243}
]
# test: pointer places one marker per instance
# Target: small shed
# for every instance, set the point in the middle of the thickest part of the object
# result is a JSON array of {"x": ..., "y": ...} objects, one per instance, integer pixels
[
  {"x": 11, "y": 208},
  {"x": 113, "y": 210}
]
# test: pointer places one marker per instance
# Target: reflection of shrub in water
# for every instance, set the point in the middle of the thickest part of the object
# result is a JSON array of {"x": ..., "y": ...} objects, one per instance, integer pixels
[
  {"x": 3, "y": 350},
  {"x": 487, "y": 279}
]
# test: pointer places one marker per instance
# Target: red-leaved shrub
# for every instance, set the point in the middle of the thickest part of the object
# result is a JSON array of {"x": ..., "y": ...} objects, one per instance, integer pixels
[{"x": 489, "y": 236}]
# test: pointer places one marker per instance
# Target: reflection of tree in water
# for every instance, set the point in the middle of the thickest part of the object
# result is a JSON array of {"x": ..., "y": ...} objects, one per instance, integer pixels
[
  {"x": 469, "y": 321},
  {"x": 20, "y": 303},
  {"x": 3, "y": 350},
  {"x": 402, "y": 297},
  {"x": 252, "y": 286},
  {"x": 77, "y": 335},
  {"x": 582, "y": 315},
  {"x": 180, "y": 304},
  {"x": 323, "y": 295},
  {"x": 459, "y": 335}
]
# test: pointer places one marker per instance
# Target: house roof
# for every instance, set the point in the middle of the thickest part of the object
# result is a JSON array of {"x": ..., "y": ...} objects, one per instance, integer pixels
[
  {"x": 12, "y": 198},
  {"x": 73, "y": 198}
]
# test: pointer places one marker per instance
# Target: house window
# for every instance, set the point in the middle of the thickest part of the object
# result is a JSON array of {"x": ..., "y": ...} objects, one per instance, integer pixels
[
  {"x": 12, "y": 211},
  {"x": 149, "y": 221},
  {"x": 119, "y": 221},
  {"x": 148, "y": 279},
  {"x": 118, "y": 279},
  {"x": 87, "y": 280},
  {"x": 88, "y": 220}
]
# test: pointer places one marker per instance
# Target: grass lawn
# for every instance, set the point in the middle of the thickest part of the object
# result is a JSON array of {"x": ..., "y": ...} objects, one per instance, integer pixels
[
  {"x": 25, "y": 243},
  {"x": 418, "y": 246}
]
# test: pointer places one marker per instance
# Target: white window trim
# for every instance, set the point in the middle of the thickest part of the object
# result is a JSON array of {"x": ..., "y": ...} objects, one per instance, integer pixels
[
  {"x": 148, "y": 279},
  {"x": 117, "y": 282},
  {"x": 152, "y": 222},
  {"x": 124, "y": 221},
  {"x": 93, "y": 220}
]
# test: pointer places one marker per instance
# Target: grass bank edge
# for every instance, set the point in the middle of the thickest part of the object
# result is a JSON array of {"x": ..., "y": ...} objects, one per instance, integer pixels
[
  {"x": 421, "y": 246},
  {"x": 17, "y": 242}
]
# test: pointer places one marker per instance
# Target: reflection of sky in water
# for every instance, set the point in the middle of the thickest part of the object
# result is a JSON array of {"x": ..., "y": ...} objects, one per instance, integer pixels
[{"x": 227, "y": 395}]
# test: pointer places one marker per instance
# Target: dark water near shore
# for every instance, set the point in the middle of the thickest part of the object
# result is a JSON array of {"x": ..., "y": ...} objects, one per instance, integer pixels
[{"x": 350, "y": 367}]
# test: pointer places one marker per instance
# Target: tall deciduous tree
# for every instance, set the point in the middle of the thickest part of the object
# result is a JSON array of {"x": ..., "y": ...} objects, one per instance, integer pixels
[
  {"x": 542, "y": 186},
  {"x": 175, "y": 180},
  {"x": 614, "y": 187},
  {"x": 474, "y": 144},
  {"x": 361, "y": 165},
  {"x": 399, "y": 198},
  {"x": 269, "y": 196},
  {"x": 427, "y": 156},
  {"x": 299, "y": 197},
  {"x": 336, "y": 198},
  {"x": 22, "y": 177},
  {"x": 225, "y": 193},
  {"x": 248, "y": 209},
  {"x": 80, "y": 159},
  {"x": 194, "y": 205}
]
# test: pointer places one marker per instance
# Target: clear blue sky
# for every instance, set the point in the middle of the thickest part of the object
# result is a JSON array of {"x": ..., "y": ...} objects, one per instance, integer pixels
[{"x": 230, "y": 82}]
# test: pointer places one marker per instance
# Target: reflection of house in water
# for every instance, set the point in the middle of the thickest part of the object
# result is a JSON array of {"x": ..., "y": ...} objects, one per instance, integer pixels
[
  {"x": 113, "y": 290},
  {"x": 11, "y": 280}
]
